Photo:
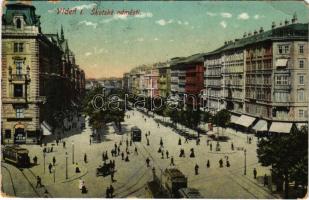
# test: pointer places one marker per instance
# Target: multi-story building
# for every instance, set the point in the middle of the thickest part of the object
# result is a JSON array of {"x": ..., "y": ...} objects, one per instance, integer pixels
[
  {"x": 262, "y": 76},
  {"x": 126, "y": 84},
  {"x": 151, "y": 82},
  {"x": 37, "y": 74},
  {"x": 178, "y": 78},
  {"x": 213, "y": 81},
  {"x": 233, "y": 79},
  {"x": 194, "y": 67},
  {"x": 164, "y": 79}
]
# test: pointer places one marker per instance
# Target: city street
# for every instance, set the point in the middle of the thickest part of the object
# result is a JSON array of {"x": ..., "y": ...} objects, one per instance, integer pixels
[{"x": 131, "y": 177}]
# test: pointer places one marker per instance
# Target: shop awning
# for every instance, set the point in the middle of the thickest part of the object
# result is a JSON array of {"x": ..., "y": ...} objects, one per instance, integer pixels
[
  {"x": 299, "y": 125},
  {"x": 261, "y": 125},
  {"x": 234, "y": 119},
  {"x": 47, "y": 130},
  {"x": 280, "y": 127},
  {"x": 281, "y": 62},
  {"x": 245, "y": 120}
]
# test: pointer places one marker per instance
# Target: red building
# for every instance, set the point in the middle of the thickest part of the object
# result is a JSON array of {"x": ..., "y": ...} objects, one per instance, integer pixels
[{"x": 194, "y": 66}]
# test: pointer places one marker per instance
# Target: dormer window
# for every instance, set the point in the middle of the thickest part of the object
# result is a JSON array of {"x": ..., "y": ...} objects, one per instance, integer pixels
[{"x": 18, "y": 23}]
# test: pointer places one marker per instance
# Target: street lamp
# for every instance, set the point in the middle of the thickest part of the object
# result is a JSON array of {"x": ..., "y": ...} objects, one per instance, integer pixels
[
  {"x": 245, "y": 170},
  {"x": 44, "y": 155},
  {"x": 54, "y": 170},
  {"x": 73, "y": 152},
  {"x": 66, "y": 165}
]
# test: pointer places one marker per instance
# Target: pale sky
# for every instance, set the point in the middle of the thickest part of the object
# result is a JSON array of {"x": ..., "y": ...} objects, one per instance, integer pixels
[{"x": 112, "y": 45}]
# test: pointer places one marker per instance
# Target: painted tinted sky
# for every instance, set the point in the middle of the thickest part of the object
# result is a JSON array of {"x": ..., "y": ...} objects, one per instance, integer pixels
[{"x": 109, "y": 45}]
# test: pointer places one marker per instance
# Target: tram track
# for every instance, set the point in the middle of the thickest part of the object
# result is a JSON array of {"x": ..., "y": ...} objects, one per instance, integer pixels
[
  {"x": 135, "y": 182},
  {"x": 11, "y": 179},
  {"x": 31, "y": 185}
]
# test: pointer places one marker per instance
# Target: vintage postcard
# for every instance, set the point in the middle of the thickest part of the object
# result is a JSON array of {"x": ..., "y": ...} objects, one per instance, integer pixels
[{"x": 154, "y": 99}]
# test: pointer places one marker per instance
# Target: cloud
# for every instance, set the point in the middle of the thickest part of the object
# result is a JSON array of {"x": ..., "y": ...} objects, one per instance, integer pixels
[
  {"x": 140, "y": 39},
  {"x": 144, "y": 15},
  {"x": 51, "y": 11},
  {"x": 223, "y": 24},
  {"x": 88, "y": 53},
  {"x": 243, "y": 16},
  {"x": 88, "y": 6},
  {"x": 186, "y": 23},
  {"x": 115, "y": 17},
  {"x": 226, "y": 15},
  {"x": 179, "y": 22},
  {"x": 211, "y": 14},
  {"x": 258, "y": 16},
  {"x": 88, "y": 23},
  {"x": 171, "y": 40},
  {"x": 163, "y": 22},
  {"x": 156, "y": 39}
]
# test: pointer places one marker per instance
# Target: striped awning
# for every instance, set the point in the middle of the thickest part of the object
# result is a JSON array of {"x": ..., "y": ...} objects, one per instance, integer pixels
[
  {"x": 280, "y": 127},
  {"x": 261, "y": 125},
  {"x": 245, "y": 120},
  {"x": 281, "y": 62},
  {"x": 234, "y": 119},
  {"x": 47, "y": 130}
]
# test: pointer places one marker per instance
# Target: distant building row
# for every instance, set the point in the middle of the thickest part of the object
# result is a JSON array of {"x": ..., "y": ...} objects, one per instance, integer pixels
[
  {"x": 263, "y": 75},
  {"x": 41, "y": 83}
]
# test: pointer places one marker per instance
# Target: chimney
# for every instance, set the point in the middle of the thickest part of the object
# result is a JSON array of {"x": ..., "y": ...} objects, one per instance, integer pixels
[
  {"x": 273, "y": 25},
  {"x": 286, "y": 22},
  {"x": 249, "y": 34},
  {"x": 294, "y": 19},
  {"x": 255, "y": 32},
  {"x": 280, "y": 24},
  {"x": 245, "y": 35},
  {"x": 225, "y": 43},
  {"x": 261, "y": 30}
]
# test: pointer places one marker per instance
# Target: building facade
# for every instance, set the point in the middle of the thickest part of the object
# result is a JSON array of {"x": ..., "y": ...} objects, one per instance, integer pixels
[{"x": 37, "y": 74}]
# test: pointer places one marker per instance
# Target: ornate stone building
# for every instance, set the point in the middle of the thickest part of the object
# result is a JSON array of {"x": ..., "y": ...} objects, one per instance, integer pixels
[{"x": 39, "y": 77}]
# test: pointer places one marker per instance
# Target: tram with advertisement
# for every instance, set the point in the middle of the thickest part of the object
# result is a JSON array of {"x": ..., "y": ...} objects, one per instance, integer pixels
[
  {"x": 136, "y": 134},
  {"x": 16, "y": 155}
]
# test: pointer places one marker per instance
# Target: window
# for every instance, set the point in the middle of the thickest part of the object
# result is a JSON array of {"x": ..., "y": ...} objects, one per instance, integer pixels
[
  {"x": 301, "y": 96},
  {"x": 281, "y": 80},
  {"x": 301, "y": 79},
  {"x": 19, "y": 67},
  {"x": 7, "y": 133},
  {"x": 301, "y": 113},
  {"x": 301, "y": 64},
  {"x": 283, "y": 49},
  {"x": 301, "y": 48},
  {"x": 286, "y": 49},
  {"x": 18, "y": 47},
  {"x": 18, "y": 90},
  {"x": 18, "y": 23},
  {"x": 19, "y": 113}
]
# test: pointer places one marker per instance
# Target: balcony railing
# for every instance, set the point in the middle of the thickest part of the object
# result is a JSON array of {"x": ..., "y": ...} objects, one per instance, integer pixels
[{"x": 19, "y": 77}]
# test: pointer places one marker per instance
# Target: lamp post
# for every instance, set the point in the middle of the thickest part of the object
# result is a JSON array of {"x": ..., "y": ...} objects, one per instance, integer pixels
[
  {"x": 66, "y": 165},
  {"x": 54, "y": 170},
  {"x": 44, "y": 155},
  {"x": 73, "y": 152},
  {"x": 245, "y": 170}
]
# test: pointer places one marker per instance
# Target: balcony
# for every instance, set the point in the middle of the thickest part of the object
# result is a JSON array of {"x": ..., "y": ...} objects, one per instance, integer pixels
[
  {"x": 282, "y": 87},
  {"x": 19, "y": 77}
]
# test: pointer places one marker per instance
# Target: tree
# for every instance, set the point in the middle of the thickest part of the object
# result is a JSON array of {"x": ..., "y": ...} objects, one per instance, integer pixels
[
  {"x": 287, "y": 155},
  {"x": 100, "y": 117},
  {"x": 221, "y": 118}
]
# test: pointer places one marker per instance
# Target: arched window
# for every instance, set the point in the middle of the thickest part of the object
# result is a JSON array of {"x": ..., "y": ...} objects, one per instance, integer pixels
[{"x": 18, "y": 23}]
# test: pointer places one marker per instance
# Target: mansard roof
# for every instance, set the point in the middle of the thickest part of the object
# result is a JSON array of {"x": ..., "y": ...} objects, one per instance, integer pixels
[
  {"x": 28, "y": 11},
  {"x": 297, "y": 31}
]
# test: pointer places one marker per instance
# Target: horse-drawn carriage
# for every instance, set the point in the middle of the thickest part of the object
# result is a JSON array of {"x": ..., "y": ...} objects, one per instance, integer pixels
[{"x": 104, "y": 170}]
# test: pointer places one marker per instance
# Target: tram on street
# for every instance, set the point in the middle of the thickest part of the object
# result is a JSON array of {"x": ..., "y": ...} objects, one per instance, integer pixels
[
  {"x": 16, "y": 155},
  {"x": 136, "y": 134}
]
